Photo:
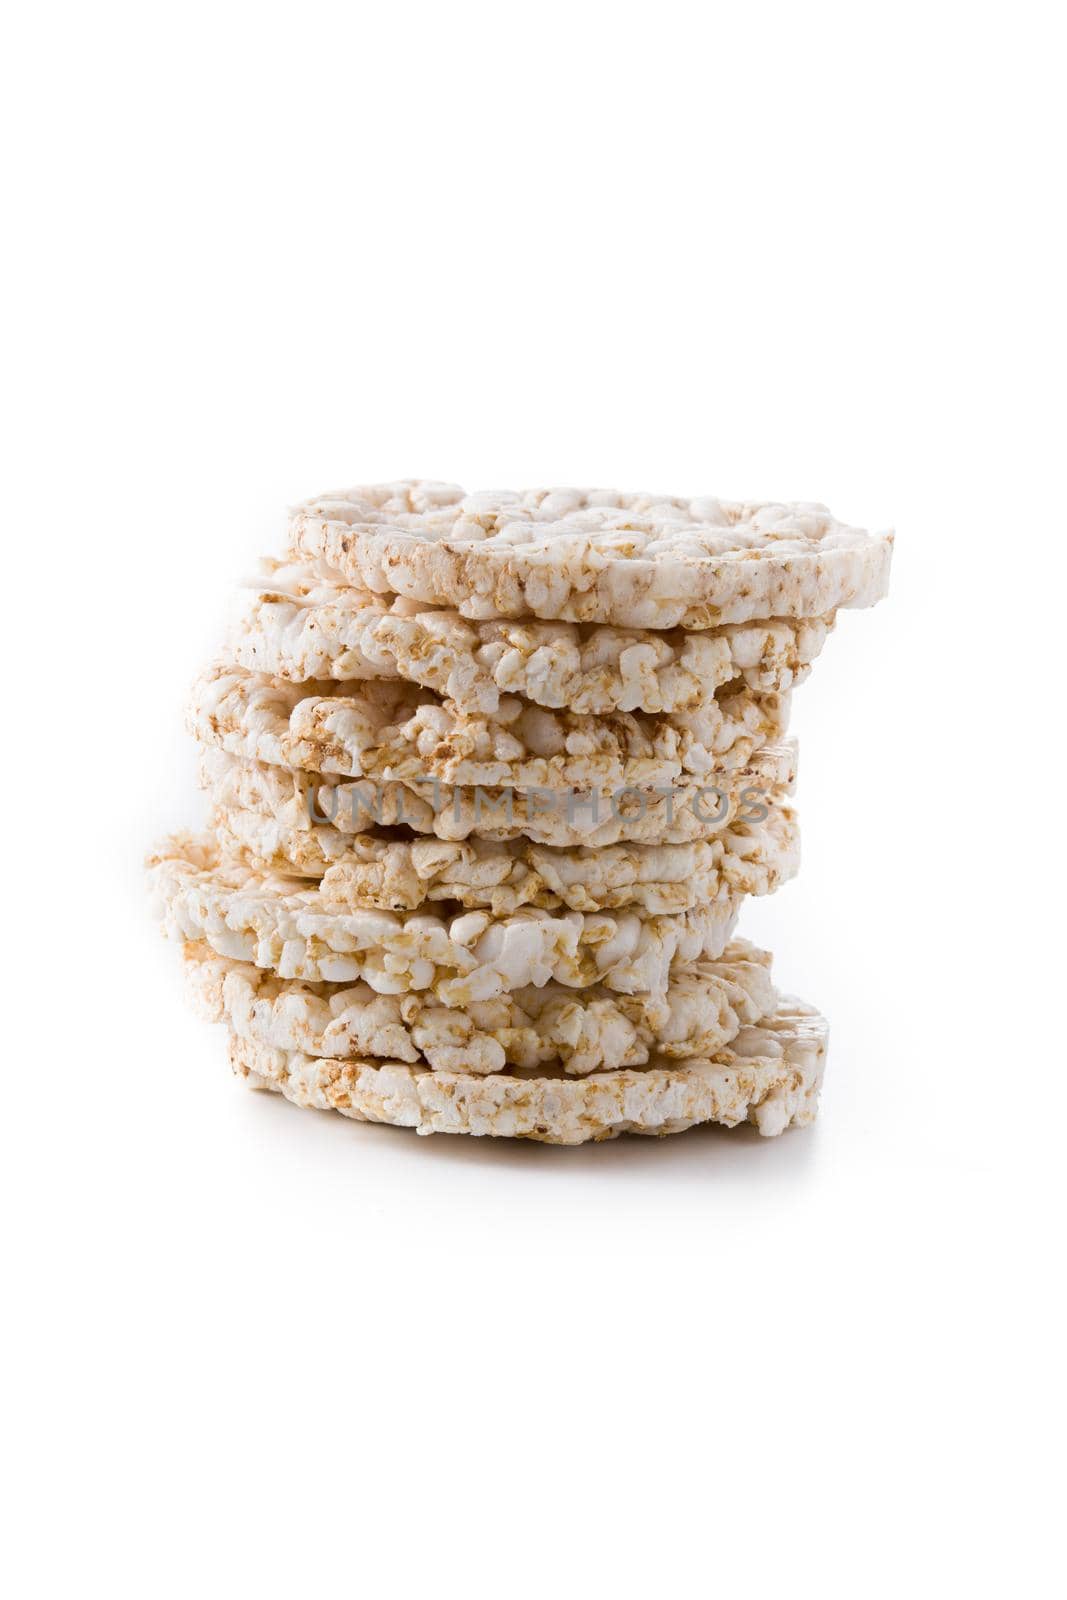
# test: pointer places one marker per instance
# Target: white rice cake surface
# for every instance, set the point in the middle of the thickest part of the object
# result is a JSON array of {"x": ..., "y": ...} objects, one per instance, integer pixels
[
  {"x": 593, "y": 555},
  {"x": 304, "y": 623},
  {"x": 273, "y": 923},
  {"x": 769, "y": 1076},
  {"x": 704, "y": 1008},
  {"x": 389, "y": 874},
  {"x": 309, "y": 819},
  {"x": 398, "y": 731}
]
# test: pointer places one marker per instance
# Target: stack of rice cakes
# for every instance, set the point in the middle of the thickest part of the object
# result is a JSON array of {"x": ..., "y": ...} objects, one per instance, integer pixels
[{"x": 490, "y": 776}]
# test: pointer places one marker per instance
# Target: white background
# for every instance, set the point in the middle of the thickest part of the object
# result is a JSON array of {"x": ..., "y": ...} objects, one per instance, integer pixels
[{"x": 778, "y": 251}]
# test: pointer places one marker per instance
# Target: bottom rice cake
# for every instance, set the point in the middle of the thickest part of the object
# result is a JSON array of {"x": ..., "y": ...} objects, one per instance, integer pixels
[{"x": 769, "y": 1076}]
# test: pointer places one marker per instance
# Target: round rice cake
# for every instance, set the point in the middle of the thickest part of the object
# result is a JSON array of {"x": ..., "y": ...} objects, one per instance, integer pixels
[
  {"x": 306, "y": 820},
  {"x": 705, "y": 1006},
  {"x": 390, "y": 874},
  {"x": 769, "y": 1076},
  {"x": 397, "y": 731},
  {"x": 304, "y": 623},
  {"x": 593, "y": 555},
  {"x": 271, "y": 922}
]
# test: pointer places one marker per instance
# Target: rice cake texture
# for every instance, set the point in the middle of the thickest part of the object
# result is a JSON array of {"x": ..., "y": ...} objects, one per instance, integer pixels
[
  {"x": 398, "y": 731},
  {"x": 769, "y": 1076},
  {"x": 312, "y": 816},
  {"x": 705, "y": 1006},
  {"x": 303, "y": 623},
  {"x": 272, "y": 923},
  {"x": 389, "y": 874},
  {"x": 593, "y": 555}
]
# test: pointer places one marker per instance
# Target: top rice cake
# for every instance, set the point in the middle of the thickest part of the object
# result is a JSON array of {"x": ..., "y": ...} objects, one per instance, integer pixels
[{"x": 594, "y": 555}]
